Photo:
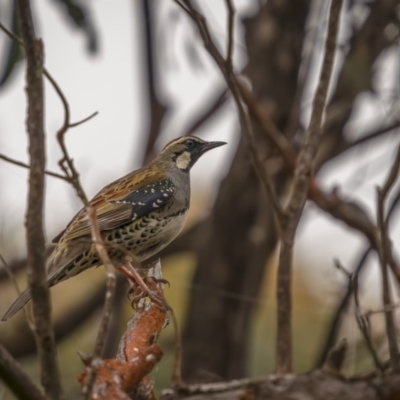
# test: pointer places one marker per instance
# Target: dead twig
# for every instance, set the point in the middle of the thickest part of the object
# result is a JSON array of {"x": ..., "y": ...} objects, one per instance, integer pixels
[
  {"x": 385, "y": 256},
  {"x": 34, "y": 217},
  {"x": 21, "y": 164}
]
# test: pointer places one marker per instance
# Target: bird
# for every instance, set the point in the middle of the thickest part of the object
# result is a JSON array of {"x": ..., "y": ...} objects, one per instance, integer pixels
[{"x": 138, "y": 215}]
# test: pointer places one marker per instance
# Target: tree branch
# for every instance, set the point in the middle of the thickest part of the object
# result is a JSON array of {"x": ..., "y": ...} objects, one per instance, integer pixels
[
  {"x": 21, "y": 164},
  {"x": 385, "y": 256},
  {"x": 110, "y": 292},
  {"x": 138, "y": 352},
  {"x": 34, "y": 218},
  {"x": 297, "y": 199},
  {"x": 157, "y": 109},
  {"x": 66, "y": 163}
]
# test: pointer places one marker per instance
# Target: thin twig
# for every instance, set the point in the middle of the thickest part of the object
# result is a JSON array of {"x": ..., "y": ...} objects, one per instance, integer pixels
[
  {"x": 21, "y": 164},
  {"x": 299, "y": 191},
  {"x": 334, "y": 327},
  {"x": 110, "y": 291},
  {"x": 385, "y": 257},
  {"x": 363, "y": 325},
  {"x": 82, "y": 121},
  {"x": 66, "y": 163},
  {"x": 34, "y": 217},
  {"x": 371, "y": 135},
  {"x": 360, "y": 318}
]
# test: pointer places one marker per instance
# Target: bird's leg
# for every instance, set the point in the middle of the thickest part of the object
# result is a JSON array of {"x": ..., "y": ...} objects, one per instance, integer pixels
[{"x": 130, "y": 272}]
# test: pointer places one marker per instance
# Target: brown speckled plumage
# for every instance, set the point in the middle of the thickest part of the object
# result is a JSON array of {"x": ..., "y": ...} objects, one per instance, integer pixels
[{"x": 138, "y": 215}]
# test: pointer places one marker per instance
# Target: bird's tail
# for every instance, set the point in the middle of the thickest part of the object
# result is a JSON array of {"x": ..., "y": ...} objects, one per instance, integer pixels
[{"x": 21, "y": 300}]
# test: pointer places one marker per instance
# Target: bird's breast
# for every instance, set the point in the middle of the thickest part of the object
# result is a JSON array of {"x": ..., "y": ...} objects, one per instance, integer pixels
[{"x": 148, "y": 235}]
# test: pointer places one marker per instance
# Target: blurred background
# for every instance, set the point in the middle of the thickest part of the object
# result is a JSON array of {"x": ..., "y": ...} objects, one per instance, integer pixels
[{"x": 142, "y": 65}]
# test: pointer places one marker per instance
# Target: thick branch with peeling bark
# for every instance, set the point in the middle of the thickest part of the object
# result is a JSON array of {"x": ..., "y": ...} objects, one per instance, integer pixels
[{"x": 137, "y": 355}]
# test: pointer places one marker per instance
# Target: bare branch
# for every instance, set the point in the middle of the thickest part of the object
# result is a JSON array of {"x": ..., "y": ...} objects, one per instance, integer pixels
[
  {"x": 66, "y": 163},
  {"x": 385, "y": 257},
  {"x": 297, "y": 199},
  {"x": 21, "y": 164},
  {"x": 157, "y": 109},
  {"x": 82, "y": 121},
  {"x": 138, "y": 352},
  {"x": 12, "y": 374},
  {"x": 34, "y": 216},
  {"x": 110, "y": 291}
]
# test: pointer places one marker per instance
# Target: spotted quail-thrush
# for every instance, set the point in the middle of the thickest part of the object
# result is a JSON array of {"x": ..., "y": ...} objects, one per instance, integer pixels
[{"x": 138, "y": 215}]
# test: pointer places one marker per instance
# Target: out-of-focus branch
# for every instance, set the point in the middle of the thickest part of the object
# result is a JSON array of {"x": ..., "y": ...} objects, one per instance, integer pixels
[
  {"x": 385, "y": 256},
  {"x": 110, "y": 291},
  {"x": 279, "y": 140},
  {"x": 157, "y": 109},
  {"x": 230, "y": 44},
  {"x": 34, "y": 217},
  {"x": 297, "y": 199},
  {"x": 12, "y": 374},
  {"x": 312, "y": 385}
]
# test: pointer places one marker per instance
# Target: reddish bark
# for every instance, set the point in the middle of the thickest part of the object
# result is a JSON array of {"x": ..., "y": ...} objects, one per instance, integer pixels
[{"x": 137, "y": 355}]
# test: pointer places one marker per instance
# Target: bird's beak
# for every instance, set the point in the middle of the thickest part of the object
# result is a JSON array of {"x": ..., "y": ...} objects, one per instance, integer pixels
[{"x": 211, "y": 145}]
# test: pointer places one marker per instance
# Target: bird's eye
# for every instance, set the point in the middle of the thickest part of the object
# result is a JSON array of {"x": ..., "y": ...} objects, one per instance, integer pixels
[{"x": 190, "y": 143}]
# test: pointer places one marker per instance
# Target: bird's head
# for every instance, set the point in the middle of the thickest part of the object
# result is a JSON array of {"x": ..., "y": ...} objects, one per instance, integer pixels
[{"x": 186, "y": 150}]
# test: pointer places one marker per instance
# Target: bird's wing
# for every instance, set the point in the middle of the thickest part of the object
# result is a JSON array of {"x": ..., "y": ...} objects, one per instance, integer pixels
[{"x": 122, "y": 202}]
